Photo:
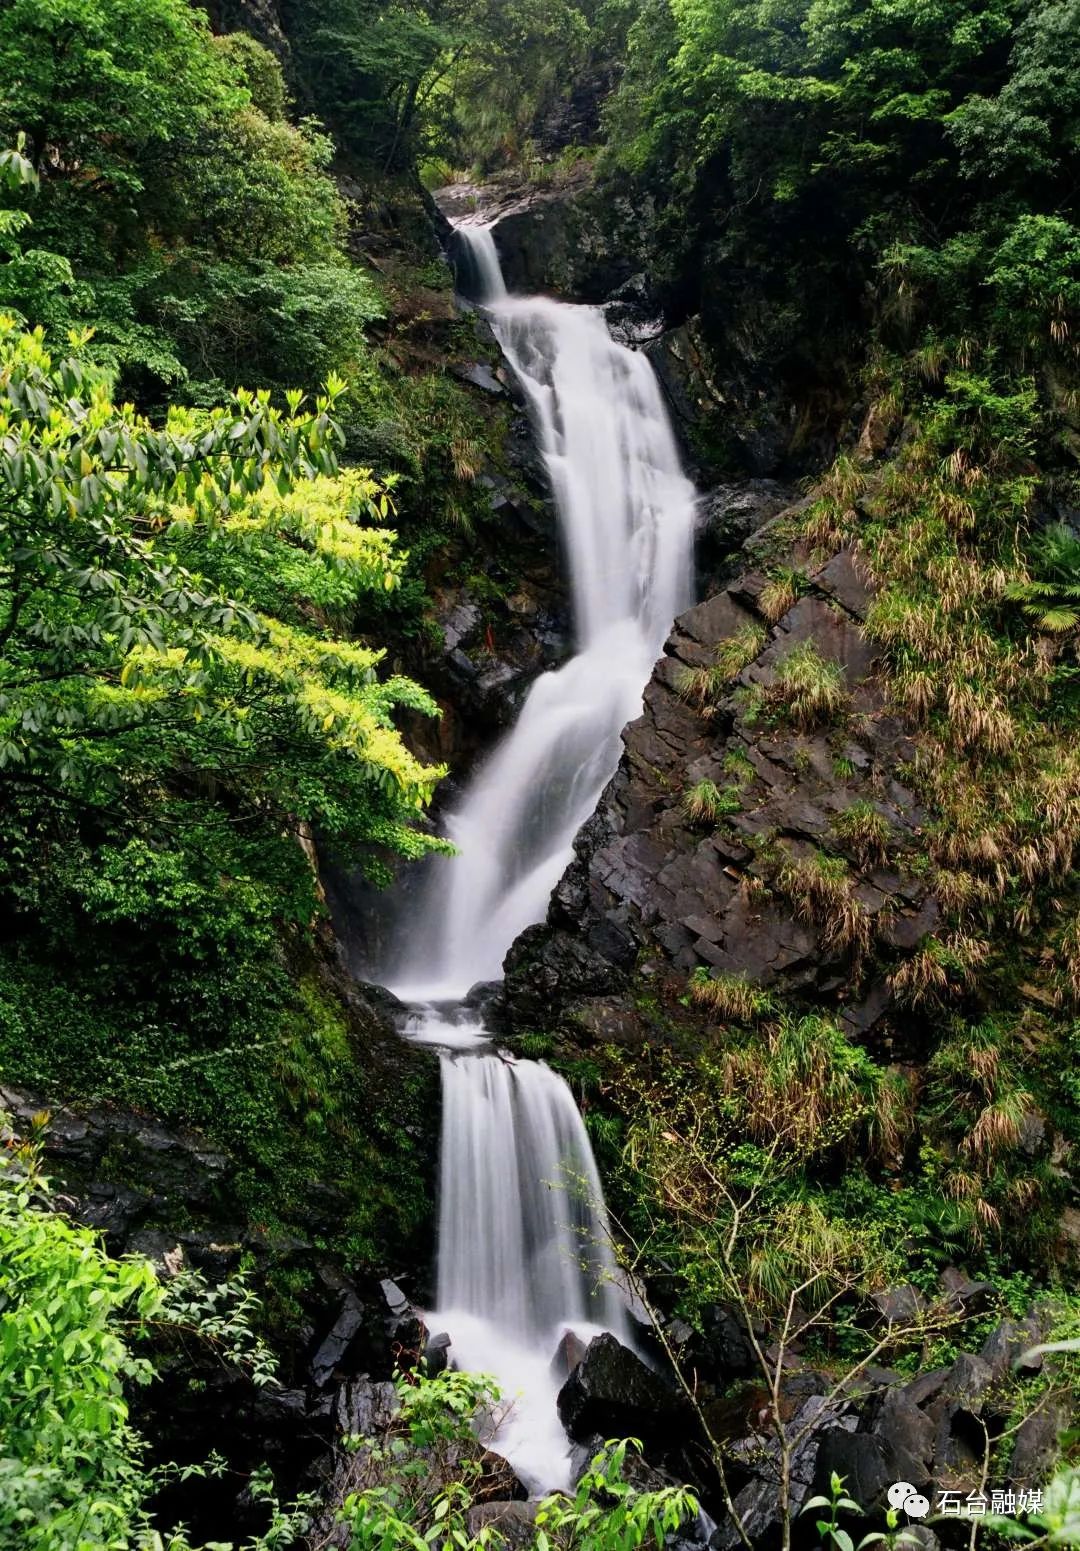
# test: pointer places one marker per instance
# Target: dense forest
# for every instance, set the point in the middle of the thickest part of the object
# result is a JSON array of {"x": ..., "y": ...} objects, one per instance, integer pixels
[{"x": 277, "y": 567}]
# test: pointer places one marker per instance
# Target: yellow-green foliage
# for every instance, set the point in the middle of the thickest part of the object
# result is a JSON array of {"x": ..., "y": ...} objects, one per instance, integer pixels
[{"x": 210, "y": 568}]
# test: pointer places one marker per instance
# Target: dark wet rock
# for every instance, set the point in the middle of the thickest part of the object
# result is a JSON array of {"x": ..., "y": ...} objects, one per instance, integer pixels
[
  {"x": 514, "y": 1522},
  {"x": 860, "y": 1459},
  {"x": 560, "y": 236},
  {"x": 729, "y": 514},
  {"x": 1037, "y": 1444},
  {"x": 634, "y": 313},
  {"x": 363, "y": 1408},
  {"x": 481, "y": 376},
  {"x": 1006, "y": 1347},
  {"x": 568, "y": 1354},
  {"x": 899, "y": 1305},
  {"x": 893, "y": 1440},
  {"x": 613, "y": 1393},
  {"x": 906, "y": 1435},
  {"x": 757, "y": 1504},
  {"x": 958, "y": 1412},
  {"x": 961, "y": 1292},
  {"x": 968, "y": 1379},
  {"x": 113, "y": 1210},
  {"x": 437, "y": 1353},
  {"x": 647, "y": 887},
  {"x": 927, "y": 1386},
  {"x": 395, "y": 1300},
  {"x": 337, "y": 1341}
]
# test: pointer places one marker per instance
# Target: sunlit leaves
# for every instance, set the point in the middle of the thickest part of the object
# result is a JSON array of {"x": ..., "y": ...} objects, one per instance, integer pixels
[{"x": 169, "y": 596}]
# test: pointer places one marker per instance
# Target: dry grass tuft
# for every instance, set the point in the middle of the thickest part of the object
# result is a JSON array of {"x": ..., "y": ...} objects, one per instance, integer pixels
[
  {"x": 942, "y": 969},
  {"x": 781, "y": 593},
  {"x": 865, "y": 831},
  {"x": 729, "y": 996},
  {"x": 808, "y": 689},
  {"x": 821, "y": 892}
]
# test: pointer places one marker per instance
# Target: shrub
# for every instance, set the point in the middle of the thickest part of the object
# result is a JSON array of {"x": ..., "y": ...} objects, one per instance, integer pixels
[
  {"x": 414, "y": 1483},
  {"x": 74, "y": 1472}
]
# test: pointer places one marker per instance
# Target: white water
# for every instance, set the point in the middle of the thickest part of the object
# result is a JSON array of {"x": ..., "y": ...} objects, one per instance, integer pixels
[
  {"x": 626, "y": 516},
  {"x": 524, "y": 1242}
]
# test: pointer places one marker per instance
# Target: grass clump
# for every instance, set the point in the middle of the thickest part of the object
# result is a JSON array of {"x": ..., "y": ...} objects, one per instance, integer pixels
[
  {"x": 781, "y": 592},
  {"x": 706, "y": 803},
  {"x": 866, "y": 831},
  {"x": 808, "y": 689},
  {"x": 702, "y": 687},
  {"x": 820, "y": 889},
  {"x": 940, "y": 971},
  {"x": 803, "y": 1081},
  {"x": 729, "y": 996},
  {"x": 739, "y": 768}
]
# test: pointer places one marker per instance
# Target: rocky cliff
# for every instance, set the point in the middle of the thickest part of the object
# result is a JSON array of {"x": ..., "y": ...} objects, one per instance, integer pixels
[{"x": 655, "y": 891}]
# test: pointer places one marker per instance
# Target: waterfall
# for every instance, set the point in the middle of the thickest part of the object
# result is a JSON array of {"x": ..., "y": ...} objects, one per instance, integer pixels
[
  {"x": 626, "y": 518},
  {"x": 524, "y": 1246}
]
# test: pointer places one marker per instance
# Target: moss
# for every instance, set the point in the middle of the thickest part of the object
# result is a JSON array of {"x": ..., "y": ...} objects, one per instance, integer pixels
[{"x": 291, "y": 1092}]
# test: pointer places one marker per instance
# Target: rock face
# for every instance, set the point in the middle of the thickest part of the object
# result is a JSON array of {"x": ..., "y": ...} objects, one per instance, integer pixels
[
  {"x": 651, "y": 895},
  {"x": 562, "y": 237},
  {"x": 612, "y": 1394}
]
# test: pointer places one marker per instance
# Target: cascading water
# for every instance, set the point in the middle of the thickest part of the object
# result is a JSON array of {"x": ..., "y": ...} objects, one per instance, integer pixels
[
  {"x": 523, "y": 1236},
  {"x": 626, "y": 517}
]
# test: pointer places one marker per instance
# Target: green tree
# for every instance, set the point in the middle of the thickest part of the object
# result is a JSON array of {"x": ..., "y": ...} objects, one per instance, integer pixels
[
  {"x": 121, "y": 663},
  {"x": 177, "y": 205}
]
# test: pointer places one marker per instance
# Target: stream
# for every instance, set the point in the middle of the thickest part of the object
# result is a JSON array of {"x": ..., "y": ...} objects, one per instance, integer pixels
[{"x": 524, "y": 1245}]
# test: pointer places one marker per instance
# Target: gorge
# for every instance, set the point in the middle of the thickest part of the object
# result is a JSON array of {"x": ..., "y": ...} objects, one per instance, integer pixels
[{"x": 539, "y": 792}]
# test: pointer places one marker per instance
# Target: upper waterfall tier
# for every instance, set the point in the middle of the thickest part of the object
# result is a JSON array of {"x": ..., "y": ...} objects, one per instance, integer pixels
[{"x": 626, "y": 519}]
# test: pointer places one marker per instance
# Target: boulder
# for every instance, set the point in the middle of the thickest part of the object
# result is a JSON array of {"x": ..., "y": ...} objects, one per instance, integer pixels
[
  {"x": 568, "y": 1354},
  {"x": 963, "y": 1293},
  {"x": 339, "y": 1338},
  {"x": 727, "y": 1341},
  {"x": 513, "y": 1522},
  {"x": 899, "y": 1305},
  {"x": 906, "y": 1436},
  {"x": 1036, "y": 1448},
  {"x": 1009, "y": 1342},
  {"x": 437, "y": 1353},
  {"x": 757, "y": 1504},
  {"x": 613, "y": 1393}
]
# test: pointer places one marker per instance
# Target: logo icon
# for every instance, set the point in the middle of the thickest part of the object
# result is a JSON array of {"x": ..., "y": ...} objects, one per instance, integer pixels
[{"x": 903, "y": 1495}]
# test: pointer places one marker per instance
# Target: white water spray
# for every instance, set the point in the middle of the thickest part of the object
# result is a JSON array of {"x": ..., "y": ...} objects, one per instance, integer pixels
[{"x": 524, "y": 1243}]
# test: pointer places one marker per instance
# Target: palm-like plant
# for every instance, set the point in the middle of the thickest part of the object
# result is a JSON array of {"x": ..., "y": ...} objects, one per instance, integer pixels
[{"x": 1052, "y": 602}]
